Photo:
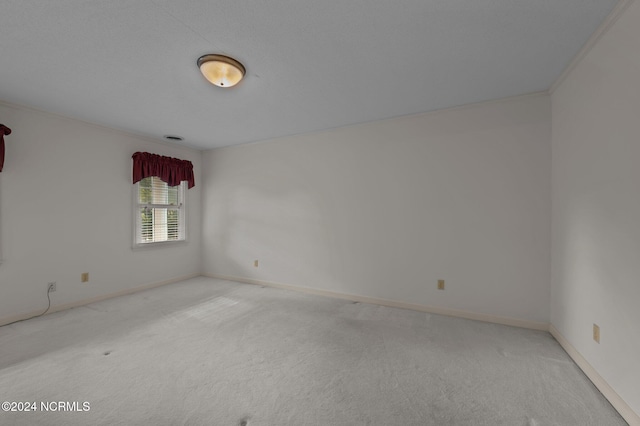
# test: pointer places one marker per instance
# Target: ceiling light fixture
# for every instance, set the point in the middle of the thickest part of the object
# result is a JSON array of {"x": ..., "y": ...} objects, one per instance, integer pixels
[{"x": 221, "y": 70}]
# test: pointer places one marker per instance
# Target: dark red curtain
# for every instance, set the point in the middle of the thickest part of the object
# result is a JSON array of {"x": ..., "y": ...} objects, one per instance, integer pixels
[
  {"x": 4, "y": 130},
  {"x": 170, "y": 170}
]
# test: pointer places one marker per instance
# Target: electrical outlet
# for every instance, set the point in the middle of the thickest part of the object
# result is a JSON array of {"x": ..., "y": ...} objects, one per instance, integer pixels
[
  {"x": 596, "y": 333},
  {"x": 255, "y": 263},
  {"x": 84, "y": 277},
  {"x": 51, "y": 287},
  {"x": 440, "y": 284}
]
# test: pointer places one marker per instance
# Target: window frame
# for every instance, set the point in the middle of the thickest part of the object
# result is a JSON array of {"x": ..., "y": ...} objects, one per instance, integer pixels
[{"x": 182, "y": 221}]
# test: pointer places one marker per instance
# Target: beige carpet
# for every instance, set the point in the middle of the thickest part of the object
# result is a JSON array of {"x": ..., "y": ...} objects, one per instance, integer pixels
[{"x": 210, "y": 352}]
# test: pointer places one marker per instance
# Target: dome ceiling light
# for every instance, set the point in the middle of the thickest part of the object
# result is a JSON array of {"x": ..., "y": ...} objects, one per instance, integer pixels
[{"x": 221, "y": 70}]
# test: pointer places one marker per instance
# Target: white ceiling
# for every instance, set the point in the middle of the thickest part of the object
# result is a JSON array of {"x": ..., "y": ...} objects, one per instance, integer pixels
[{"x": 311, "y": 65}]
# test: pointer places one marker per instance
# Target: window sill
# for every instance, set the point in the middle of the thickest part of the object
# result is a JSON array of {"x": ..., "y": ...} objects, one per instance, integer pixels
[{"x": 147, "y": 246}]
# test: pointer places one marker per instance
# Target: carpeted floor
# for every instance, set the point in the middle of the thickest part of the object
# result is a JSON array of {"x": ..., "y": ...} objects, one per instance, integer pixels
[{"x": 211, "y": 352}]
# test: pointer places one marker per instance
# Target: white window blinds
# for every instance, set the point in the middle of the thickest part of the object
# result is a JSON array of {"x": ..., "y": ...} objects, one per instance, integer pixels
[{"x": 160, "y": 213}]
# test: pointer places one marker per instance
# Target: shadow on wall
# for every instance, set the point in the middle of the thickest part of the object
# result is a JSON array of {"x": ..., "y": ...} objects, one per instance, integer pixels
[
  {"x": 286, "y": 231},
  {"x": 597, "y": 251}
]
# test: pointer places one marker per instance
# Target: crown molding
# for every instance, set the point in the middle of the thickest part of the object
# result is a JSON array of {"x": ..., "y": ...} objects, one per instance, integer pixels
[{"x": 608, "y": 22}]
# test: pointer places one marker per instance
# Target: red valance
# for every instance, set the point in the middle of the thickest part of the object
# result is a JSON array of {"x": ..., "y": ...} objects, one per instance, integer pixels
[
  {"x": 170, "y": 170},
  {"x": 4, "y": 130}
]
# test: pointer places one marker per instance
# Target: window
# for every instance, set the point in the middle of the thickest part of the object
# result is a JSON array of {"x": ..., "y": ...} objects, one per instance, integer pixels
[{"x": 159, "y": 211}]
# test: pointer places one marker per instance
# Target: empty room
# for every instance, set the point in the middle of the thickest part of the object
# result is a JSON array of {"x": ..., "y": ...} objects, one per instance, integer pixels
[{"x": 413, "y": 212}]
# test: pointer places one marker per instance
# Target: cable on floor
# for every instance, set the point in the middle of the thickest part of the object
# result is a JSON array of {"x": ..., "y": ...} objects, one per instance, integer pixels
[{"x": 39, "y": 315}]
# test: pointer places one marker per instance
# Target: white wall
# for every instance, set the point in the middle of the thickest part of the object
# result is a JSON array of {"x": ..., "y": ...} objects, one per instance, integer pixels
[
  {"x": 596, "y": 206},
  {"x": 385, "y": 209},
  {"x": 65, "y": 208}
]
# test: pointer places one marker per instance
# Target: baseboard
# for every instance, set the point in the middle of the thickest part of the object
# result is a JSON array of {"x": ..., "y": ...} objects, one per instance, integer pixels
[
  {"x": 64, "y": 306},
  {"x": 392, "y": 303},
  {"x": 618, "y": 403}
]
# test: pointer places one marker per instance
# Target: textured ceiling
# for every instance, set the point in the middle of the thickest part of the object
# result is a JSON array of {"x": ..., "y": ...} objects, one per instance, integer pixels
[{"x": 311, "y": 65}]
